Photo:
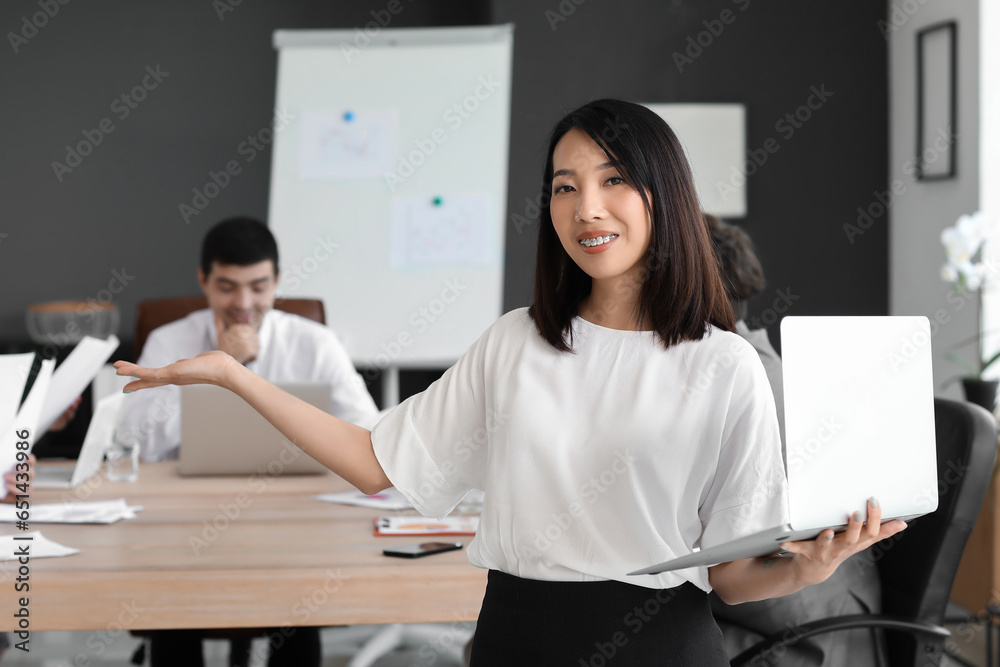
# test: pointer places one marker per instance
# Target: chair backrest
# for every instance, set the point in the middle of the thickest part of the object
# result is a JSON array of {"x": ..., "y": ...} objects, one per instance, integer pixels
[
  {"x": 155, "y": 313},
  {"x": 917, "y": 567}
]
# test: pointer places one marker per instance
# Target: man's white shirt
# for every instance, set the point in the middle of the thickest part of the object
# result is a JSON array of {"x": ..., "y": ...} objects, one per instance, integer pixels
[{"x": 292, "y": 349}]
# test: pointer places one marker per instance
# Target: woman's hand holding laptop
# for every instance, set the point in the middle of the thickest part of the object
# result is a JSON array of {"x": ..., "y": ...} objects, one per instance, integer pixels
[
  {"x": 802, "y": 563},
  {"x": 815, "y": 560}
]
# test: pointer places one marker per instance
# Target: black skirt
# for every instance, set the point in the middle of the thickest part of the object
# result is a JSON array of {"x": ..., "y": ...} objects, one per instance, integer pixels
[{"x": 594, "y": 624}]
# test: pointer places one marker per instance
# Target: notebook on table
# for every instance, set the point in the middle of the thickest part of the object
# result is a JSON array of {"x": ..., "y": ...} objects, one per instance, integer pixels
[
  {"x": 222, "y": 435},
  {"x": 859, "y": 422}
]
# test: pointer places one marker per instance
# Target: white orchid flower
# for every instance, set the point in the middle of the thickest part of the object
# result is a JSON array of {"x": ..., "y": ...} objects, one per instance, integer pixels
[
  {"x": 974, "y": 226},
  {"x": 962, "y": 243},
  {"x": 949, "y": 273}
]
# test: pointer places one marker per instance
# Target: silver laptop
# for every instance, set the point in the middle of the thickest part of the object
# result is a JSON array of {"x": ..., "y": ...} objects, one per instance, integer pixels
[
  {"x": 222, "y": 435},
  {"x": 859, "y": 422},
  {"x": 88, "y": 463}
]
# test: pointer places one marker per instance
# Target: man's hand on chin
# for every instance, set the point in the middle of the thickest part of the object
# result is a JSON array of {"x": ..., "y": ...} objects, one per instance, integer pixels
[{"x": 240, "y": 341}]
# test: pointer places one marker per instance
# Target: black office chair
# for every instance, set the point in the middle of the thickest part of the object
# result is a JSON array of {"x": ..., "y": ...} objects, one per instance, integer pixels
[{"x": 918, "y": 567}]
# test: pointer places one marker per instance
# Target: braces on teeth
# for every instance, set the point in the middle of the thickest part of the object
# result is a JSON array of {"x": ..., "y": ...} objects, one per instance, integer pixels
[{"x": 598, "y": 240}]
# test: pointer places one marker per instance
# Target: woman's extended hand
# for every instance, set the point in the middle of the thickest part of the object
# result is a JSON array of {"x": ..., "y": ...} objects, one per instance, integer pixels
[
  {"x": 212, "y": 367},
  {"x": 815, "y": 560}
]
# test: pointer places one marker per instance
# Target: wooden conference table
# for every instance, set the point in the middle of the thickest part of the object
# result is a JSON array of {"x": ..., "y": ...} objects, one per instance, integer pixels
[{"x": 274, "y": 556}]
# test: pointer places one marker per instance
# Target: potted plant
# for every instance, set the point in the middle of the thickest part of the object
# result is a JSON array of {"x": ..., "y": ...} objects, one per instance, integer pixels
[{"x": 963, "y": 245}]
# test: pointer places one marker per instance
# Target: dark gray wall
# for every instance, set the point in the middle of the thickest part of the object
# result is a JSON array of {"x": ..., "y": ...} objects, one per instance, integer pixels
[
  {"x": 768, "y": 57},
  {"x": 119, "y": 208}
]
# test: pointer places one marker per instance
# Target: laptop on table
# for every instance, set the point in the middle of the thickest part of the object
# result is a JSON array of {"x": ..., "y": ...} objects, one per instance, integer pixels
[
  {"x": 222, "y": 435},
  {"x": 88, "y": 463},
  {"x": 859, "y": 422}
]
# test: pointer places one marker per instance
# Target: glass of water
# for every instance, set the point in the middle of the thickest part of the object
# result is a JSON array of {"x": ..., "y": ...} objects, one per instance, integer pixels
[{"x": 122, "y": 457}]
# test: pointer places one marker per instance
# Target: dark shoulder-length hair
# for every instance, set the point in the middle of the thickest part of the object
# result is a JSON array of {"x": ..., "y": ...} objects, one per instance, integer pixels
[{"x": 682, "y": 290}]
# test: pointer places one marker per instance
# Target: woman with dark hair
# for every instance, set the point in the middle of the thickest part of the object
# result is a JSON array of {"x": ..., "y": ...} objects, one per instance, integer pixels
[{"x": 616, "y": 423}]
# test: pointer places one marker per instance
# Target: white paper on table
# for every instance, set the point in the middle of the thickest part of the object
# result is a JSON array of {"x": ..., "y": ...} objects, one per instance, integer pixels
[
  {"x": 14, "y": 371},
  {"x": 102, "y": 511},
  {"x": 416, "y": 525},
  {"x": 27, "y": 419},
  {"x": 39, "y": 546},
  {"x": 390, "y": 499},
  {"x": 74, "y": 374},
  {"x": 441, "y": 232}
]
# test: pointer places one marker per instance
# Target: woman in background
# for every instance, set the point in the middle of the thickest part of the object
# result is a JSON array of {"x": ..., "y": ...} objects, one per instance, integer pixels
[{"x": 853, "y": 588}]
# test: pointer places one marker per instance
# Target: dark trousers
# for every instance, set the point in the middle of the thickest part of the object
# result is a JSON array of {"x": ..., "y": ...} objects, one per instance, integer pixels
[
  {"x": 290, "y": 647},
  {"x": 594, "y": 624}
]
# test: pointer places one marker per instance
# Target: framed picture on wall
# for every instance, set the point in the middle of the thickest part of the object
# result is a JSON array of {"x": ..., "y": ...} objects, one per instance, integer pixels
[{"x": 937, "y": 83}]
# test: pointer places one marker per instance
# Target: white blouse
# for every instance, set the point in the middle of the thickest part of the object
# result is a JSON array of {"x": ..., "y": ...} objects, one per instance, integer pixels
[{"x": 596, "y": 462}]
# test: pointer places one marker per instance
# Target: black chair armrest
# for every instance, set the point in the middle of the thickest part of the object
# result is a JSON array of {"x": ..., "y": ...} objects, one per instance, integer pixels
[{"x": 797, "y": 633}]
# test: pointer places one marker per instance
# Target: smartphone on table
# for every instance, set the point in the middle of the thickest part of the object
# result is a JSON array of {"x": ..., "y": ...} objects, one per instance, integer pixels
[{"x": 421, "y": 549}]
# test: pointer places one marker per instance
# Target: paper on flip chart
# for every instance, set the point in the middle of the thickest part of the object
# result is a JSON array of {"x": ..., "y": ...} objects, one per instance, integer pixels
[
  {"x": 74, "y": 374},
  {"x": 39, "y": 546},
  {"x": 102, "y": 511},
  {"x": 27, "y": 419}
]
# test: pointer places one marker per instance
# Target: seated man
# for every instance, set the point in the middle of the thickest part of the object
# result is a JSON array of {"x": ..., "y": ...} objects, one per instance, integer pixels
[
  {"x": 854, "y": 587},
  {"x": 239, "y": 276}
]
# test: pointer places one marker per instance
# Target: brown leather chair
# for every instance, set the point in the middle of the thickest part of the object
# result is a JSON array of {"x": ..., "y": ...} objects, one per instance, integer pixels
[{"x": 155, "y": 313}]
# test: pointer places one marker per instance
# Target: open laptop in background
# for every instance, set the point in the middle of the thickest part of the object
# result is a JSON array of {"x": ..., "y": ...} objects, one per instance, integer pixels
[
  {"x": 88, "y": 463},
  {"x": 222, "y": 435},
  {"x": 859, "y": 422}
]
